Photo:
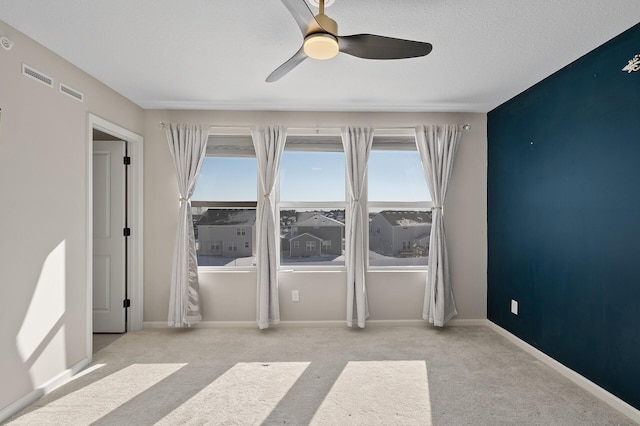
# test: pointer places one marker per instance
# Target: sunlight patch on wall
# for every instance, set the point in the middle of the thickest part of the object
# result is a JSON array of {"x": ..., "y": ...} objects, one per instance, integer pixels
[
  {"x": 98, "y": 399},
  {"x": 391, "y": 392},
  {"x": 246, "y": 394},
  {"x": 42, "y": 329}
]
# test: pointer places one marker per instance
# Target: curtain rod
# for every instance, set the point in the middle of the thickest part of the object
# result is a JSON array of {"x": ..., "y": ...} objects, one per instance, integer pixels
[{"x": 465, "y": 126}]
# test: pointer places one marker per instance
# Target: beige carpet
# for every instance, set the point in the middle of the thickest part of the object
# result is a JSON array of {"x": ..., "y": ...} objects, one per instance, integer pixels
[{"x": 318, "y": 376}]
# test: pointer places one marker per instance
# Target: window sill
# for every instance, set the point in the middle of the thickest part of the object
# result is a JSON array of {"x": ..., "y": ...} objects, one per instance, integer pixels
[
  {"x": 309, "y": 269},
  {"x": 226, "y": 270},
  {"x": 395, "y": 269},
  {"x": 312, "y": 269}
]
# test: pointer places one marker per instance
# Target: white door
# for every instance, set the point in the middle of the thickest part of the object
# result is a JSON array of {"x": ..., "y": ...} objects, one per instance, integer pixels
[{"x": 109, "y": 252}]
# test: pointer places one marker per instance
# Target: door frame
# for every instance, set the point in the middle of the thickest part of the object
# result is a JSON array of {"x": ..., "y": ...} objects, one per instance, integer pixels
[{"x": 135, "y": 270}]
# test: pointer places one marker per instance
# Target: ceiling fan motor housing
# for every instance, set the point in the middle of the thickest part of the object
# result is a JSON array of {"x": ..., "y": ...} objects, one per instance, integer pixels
[{"x": 321, "y": 41}]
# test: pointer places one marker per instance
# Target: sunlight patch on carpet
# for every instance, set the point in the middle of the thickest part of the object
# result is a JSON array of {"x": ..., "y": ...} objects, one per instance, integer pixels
[
  {"x": 244, "y": 395},
  {"x": 380, "y": 393},
  {"x": 98, "y": 399}
]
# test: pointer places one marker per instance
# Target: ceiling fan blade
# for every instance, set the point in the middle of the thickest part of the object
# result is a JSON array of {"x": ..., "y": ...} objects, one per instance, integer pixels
[
  {"x": 371, "y": 46},
  {"x": 283, "y": 69},
  {"x": 302, "y": 14}
]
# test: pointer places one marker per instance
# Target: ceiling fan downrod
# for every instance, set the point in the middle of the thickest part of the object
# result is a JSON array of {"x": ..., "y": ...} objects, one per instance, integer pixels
[{"x": 327, "y": 25}]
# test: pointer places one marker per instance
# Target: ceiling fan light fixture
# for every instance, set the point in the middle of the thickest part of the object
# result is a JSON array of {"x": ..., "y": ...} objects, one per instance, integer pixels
[{"x": 321, "y": 46}]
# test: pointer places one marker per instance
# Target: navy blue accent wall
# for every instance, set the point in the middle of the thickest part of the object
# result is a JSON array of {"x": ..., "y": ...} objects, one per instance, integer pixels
[{"x": 564, "y": 216}]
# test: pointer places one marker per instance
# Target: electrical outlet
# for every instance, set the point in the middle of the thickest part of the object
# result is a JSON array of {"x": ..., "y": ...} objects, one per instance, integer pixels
[
  {"x": 295, "y": 295},
  {"x": 514, "y": 307}
]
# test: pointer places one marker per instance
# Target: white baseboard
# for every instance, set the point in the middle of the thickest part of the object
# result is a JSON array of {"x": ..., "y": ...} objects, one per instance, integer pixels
[
  {"x": 423, "y": 323},
  {"x": 583, "y": 382},
  {"x": 466, "y": 323},
  {"x": 341, "y": 323},
  {"x": 42, "y": 390},
  {"x": 205, "y": 324}
]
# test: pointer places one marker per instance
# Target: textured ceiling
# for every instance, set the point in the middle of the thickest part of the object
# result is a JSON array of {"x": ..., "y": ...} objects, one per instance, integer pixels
[{"x": 216, "y": 54}]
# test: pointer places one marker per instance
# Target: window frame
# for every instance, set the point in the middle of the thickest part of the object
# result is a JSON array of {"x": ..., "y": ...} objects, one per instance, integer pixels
[
  {"x": 231, "y": 142},
  {"x": 394, "y": 138},
  {"x": 398, "y": 141},
  {"x": 303, "y": 140}
]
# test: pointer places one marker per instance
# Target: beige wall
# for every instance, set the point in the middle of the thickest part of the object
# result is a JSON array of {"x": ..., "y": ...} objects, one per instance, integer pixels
[
  {"x": 228, "y": 296},
  {"x": 43, "y": 223},
  {"x": 43, "y": 208}
]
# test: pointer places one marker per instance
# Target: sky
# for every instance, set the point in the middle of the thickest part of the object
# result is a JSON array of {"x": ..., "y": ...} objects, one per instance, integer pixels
[{"x": 314, "y": 176}]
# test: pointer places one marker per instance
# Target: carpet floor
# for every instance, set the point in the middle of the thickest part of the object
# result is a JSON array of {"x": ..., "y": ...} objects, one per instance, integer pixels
[{"x": 318, "y": 376}]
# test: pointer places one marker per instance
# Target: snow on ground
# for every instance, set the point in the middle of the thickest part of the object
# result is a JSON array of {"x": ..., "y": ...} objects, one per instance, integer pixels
[
  {"x": 226, "y": 261},
  {"x": 314, "y": 260},
  {"x": 375, "y": 259}
]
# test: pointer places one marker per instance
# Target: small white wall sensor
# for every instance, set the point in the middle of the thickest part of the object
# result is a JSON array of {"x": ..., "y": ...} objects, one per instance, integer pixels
[{"x": 6, "y": 43}]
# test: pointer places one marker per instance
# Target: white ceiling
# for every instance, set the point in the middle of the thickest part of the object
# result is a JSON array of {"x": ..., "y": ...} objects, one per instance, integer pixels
[{"x": 216, "y": 54}]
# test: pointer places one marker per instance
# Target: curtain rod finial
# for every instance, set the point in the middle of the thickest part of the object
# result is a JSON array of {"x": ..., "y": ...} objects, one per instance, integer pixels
[
  {"x": 162, "y": 124},
  {"x": 467, "y": 127}
]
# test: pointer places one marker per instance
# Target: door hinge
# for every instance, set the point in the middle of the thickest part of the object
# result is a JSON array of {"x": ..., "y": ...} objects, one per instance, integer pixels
[
  {"x": 127, "y": 160},
  {"x": 126, "y": 303},
  {"x": 126, "y": 232}
]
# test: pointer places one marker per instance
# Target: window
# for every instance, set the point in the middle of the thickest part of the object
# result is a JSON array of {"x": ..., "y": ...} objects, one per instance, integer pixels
[
  {"x": 224, "y": 203},
  {"x": 399, "y": 204},
  {"x": 312, "y": 201}
]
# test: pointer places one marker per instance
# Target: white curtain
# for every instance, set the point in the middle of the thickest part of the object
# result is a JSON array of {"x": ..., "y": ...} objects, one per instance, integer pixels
[
  {"x": 357, "y": 143},
  {"x": 437, "y": 147},
  {"x": 187, "y": 144},
  {"x": 269, "y": 144}
]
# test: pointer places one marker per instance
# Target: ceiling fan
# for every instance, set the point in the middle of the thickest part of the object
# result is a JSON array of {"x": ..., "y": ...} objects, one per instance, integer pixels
[{"x": 321, "y": 41}]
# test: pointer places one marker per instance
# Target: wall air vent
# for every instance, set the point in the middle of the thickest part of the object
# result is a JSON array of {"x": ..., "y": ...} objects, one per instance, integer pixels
[
  {"x": 36, "y": 75},
  {"x": 71, "y": 92}
]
